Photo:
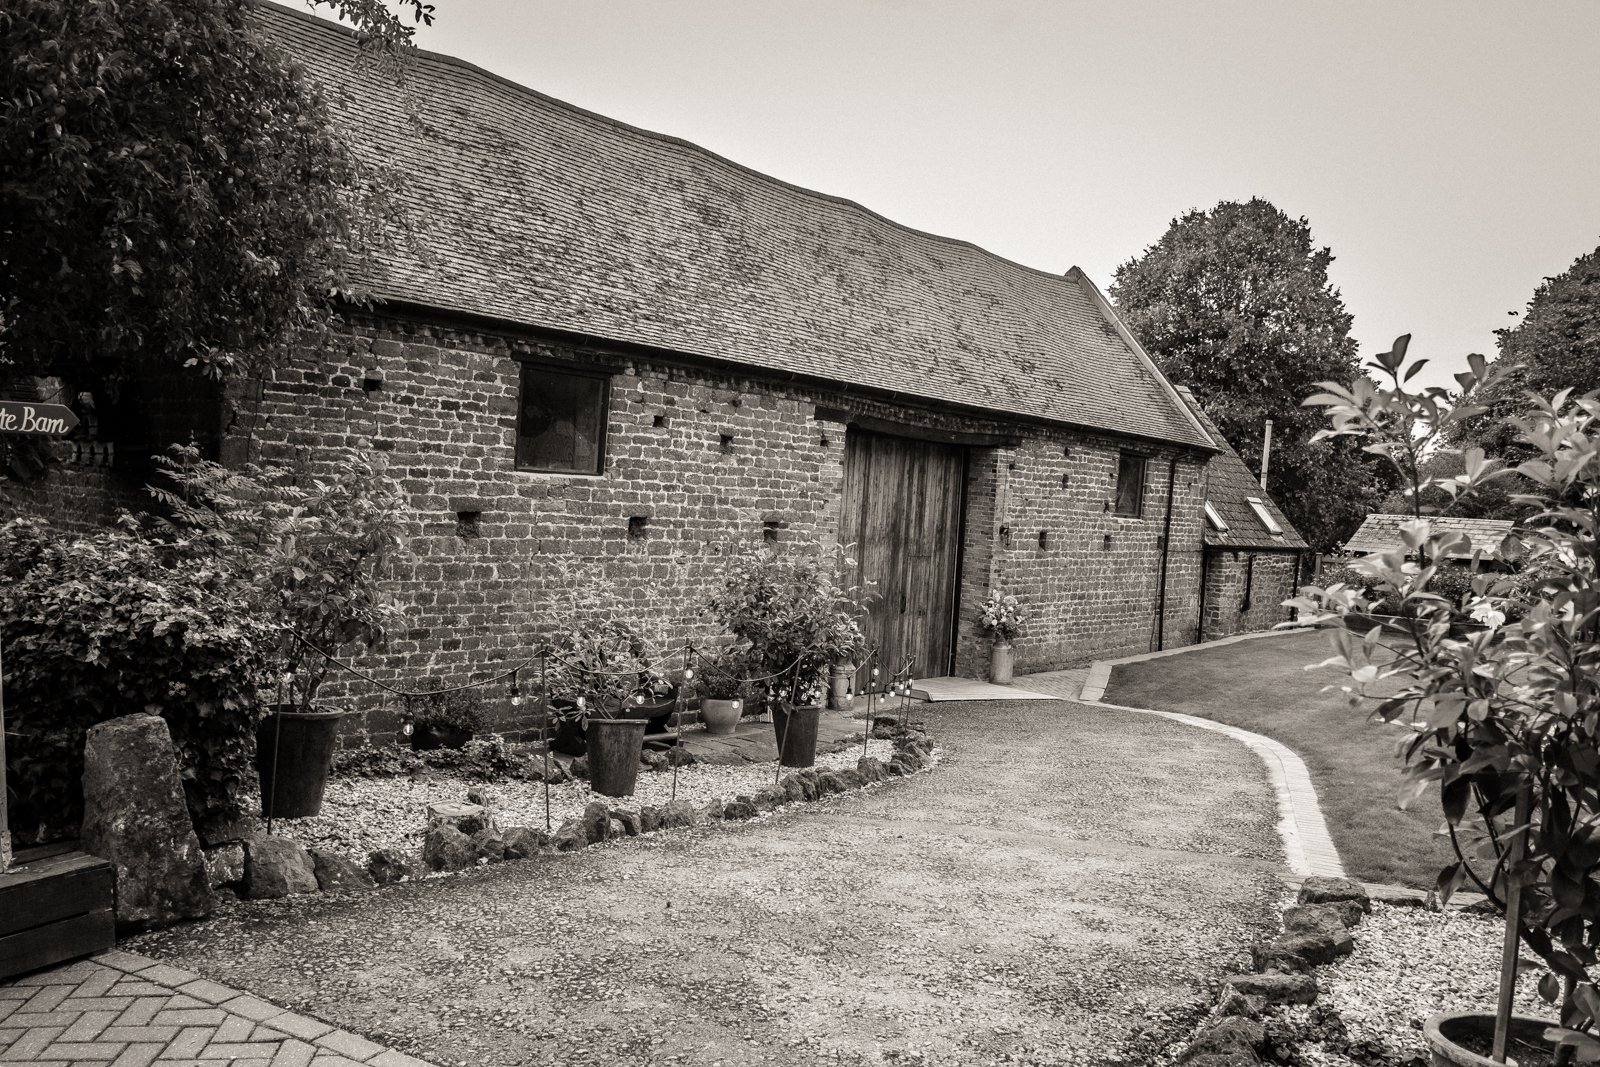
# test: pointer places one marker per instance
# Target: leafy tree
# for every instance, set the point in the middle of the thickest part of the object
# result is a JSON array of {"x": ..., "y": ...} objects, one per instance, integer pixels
[
  {"x": 1556, "y": 346},
  {"x": 171, "y": 192},
  {"x": 1235, "y": 303}
]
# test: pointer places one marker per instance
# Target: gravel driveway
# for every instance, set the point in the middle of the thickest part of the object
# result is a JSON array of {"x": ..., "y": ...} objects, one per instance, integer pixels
[{"x": 1062, "y": 888}]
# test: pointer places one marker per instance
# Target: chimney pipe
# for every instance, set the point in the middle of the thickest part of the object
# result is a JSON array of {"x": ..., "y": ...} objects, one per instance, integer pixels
[{"x": 1266, "y": 454}]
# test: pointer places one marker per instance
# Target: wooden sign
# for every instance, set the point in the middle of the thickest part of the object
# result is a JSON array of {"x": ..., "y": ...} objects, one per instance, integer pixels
[{"x": 36, "y": 420}]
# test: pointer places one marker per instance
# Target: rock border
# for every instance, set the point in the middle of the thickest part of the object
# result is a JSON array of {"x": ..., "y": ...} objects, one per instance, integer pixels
[{"x": 463, "y": 836}]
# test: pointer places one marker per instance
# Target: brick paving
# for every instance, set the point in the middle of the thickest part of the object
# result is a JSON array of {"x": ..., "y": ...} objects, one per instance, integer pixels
[{"x": 119, "y": 1009}]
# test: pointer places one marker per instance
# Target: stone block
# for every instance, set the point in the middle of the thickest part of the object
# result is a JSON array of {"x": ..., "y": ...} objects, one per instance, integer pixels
[
  {"x": 135, "y": 817},
  {"x": 277, "y": 867}
]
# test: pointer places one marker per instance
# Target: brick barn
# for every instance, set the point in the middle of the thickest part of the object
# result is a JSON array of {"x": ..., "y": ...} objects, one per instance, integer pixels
[
  {"x": 1254, "y": 557},
  {"x": 614, "y": 350}
]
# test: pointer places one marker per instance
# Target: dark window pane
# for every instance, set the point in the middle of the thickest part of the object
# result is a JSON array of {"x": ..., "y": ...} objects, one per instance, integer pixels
[
  {"x": 562, "y": 422},
  {"x": 1130, "y": 485}
]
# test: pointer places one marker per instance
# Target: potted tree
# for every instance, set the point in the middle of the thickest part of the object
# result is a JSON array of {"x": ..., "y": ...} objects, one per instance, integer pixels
[
  {"x": 1001, "y": 618},
  {"x": 320, "y": 547},
  {"x": 1501, "y": 690},
  {"x": 797, "y": 619}
]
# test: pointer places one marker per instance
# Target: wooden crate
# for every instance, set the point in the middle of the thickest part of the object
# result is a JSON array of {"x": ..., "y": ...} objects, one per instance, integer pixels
[{"x": 56, "y": 904}]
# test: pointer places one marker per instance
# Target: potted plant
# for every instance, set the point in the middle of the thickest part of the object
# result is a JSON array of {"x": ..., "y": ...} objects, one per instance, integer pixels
[
  {"x": 795, "y": 720},
  {"x": 446, "y": 718},
  {"x": 797, "y": 620},
  {"x": 1500, "y": 691},
  {"x": 1001, "y": 618},
  {"x": 320, "y": 547},
  {"x": 603, "y": 674},
  {"x": 720, "y": 684}
]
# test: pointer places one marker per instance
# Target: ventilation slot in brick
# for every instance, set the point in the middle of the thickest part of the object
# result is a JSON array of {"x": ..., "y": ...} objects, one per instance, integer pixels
[
  {"x": 661, "y": 422},
  {"x": 467, "y": 524},
  {"x": 1005, "y": 536},
  {"x": 725, "y": 442},
  {"x": 771, "y": 528},
  {"x": 637, "y": 527},
  {"x": 372, "y": 381},
  {"x": 1044, "y": 538},
  {"x": 1107, "y": 543}
]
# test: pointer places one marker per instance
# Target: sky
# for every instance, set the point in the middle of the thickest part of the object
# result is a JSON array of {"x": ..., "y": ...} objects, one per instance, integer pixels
[{"x": 1447, "y": 153}]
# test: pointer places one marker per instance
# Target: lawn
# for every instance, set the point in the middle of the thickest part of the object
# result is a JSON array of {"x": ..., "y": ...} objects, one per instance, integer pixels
[{"x": 1262, "y": 685}]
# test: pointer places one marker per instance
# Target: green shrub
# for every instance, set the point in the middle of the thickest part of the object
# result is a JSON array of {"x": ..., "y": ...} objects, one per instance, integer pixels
[
  {"x": 458, "y": 709},
  {"x": 113, "y": 624},
  {"x": 487, "y": 758}
]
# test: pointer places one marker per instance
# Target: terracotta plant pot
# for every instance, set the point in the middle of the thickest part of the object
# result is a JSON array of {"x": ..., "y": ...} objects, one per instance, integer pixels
[
  {"x": 294, "y": 750},
  {"x": 1464, "y": 1039},
  {"x": 796, "y": 730},
  {"x": 1002, "y": 660},
  {"x": 720, "y": 716}
]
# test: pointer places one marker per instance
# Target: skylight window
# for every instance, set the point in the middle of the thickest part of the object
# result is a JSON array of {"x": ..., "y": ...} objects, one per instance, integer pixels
[
  {"x": 1213, "y": 519},
  {"x": 1264, "y": 515}
]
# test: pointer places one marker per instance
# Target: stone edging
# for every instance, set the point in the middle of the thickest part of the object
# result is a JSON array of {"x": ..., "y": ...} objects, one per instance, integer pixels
[
  {"x": 1307, "y": 848},
  {"x": 466, "y": 836},
  {"x": 1243, "y": 1026}
]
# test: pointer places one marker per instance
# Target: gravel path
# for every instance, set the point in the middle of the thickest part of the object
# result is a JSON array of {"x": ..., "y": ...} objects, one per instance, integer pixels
[
  {"x": 1066, "y": 887},
  {"x": 360, "y": 815}
]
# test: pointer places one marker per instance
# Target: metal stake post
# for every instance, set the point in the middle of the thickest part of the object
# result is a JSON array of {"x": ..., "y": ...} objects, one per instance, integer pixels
[
  {"x": 677, "y": 742},
  {"x": 5, "y": 827},
  {"x": 544, "y": 733}
]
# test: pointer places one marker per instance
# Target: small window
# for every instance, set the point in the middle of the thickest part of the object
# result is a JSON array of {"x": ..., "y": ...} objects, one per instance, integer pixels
[
  {"x": 561, "y": 425},
  {"x": 1214, "y": 520},
  {"x": 1130, "y": 484},
  {"x": 1264, "y": 515}
]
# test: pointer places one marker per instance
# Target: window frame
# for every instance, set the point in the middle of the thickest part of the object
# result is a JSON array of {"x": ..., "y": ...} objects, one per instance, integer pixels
[
  {"x": 1218, "y": 523},
  {"x": 1259, "y": 506},
  {"x": 572, "y": 370},
  {"x": 1123, "y": 457}
]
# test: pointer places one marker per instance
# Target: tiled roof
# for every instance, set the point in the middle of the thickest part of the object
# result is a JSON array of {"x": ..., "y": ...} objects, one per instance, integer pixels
[
  {"x": 1380, "y": 532},
  {"x": 1229, "y": 489},
  {"x": 538, "y": 213}
]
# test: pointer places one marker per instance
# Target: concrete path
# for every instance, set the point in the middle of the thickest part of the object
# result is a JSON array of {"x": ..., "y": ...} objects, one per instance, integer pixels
[
  {"x": 127, "y": 1010},
  {"x": 1066, "y": 887}
]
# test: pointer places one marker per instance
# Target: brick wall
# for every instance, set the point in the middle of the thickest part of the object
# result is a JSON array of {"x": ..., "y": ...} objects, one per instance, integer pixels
[
  {"x": 702, "y": 462},
  {"x": 1040, "y": 525},
  {"x": 494, "y": 547},
  {"x": 1230, "y": 575},
  {"x": 79, "y": 492}
]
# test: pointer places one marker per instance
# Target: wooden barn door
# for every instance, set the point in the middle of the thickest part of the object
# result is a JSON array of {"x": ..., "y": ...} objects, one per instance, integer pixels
[{"x": 901, "y": 514}]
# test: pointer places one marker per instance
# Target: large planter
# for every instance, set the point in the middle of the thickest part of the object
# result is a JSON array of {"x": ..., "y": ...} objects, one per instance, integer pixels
[
  {"x": 294, "y": 750},
  {"x": 614, "y": 749},
  {"x": 840, "y": 678},
  {"x": 1462, "y": 1039},
  {"x": 427, "y": 736},
  {"x": 720, "y": 716},
  {"x": 1002, "y": 661},
  {"x": 796, "y": 729}
]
